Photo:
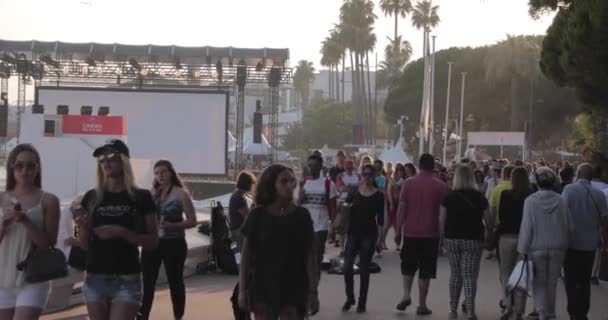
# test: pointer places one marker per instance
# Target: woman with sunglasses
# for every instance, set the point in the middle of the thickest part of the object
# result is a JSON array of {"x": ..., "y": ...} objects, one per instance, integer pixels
[
  {"x": 116, "y": 219},
  {"x": 278, "y": 268},
  {"x": 173, "y": 203},
  {"x": 30, "y": 218},
  {"x": 366, "y": 221}
]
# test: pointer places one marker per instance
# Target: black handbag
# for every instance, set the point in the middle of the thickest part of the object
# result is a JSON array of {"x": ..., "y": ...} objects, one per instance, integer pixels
[
  {"x": 77, "y": 258},
  {"x": 42, "y": 265}
]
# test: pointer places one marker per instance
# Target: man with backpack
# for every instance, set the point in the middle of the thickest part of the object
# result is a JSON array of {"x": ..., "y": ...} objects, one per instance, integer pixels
[{"x": 318, "y": 194}]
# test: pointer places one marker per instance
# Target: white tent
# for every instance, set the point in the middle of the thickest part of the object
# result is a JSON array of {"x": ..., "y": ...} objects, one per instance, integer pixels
[
  {"x": 394, "y": 154},
  {"x": 255, "y": 149}
]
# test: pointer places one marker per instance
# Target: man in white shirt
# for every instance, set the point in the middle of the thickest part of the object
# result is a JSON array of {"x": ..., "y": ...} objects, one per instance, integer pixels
[{"x": 318, "y": 195}]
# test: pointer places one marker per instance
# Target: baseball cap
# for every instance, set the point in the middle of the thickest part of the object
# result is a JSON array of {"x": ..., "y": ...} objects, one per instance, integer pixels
[{"x": 112, "y": 145}]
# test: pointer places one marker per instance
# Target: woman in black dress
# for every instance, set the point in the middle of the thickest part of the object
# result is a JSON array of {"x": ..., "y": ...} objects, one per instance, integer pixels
[
  {"x": 278, "y": 274},
  {"x": 366, "y": 221}
]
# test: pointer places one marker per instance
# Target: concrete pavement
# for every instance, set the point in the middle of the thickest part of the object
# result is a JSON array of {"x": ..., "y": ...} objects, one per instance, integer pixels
[{"x": 208, "y": 296}]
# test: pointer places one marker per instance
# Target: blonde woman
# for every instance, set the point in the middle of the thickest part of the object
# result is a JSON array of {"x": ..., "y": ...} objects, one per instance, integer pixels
[
  {"x": 30, "y": 217},
  {"x": 116, "y": 218},
  {"x": 461, "y": 224}
]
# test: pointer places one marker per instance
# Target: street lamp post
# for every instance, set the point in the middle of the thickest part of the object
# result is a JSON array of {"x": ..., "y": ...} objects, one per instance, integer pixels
[
  {"x": 447, "y": 113},
  {"x": 461, "y": 133}
]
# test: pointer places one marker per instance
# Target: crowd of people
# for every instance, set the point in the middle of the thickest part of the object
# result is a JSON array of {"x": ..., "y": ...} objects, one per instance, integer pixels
[{"x": 552, "y": 217}]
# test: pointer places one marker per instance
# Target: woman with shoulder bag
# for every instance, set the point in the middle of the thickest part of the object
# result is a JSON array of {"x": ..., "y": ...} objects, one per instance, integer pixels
[
  {"x": 30, "y": 219},
  {"x": 461, "y": 224},
  {"x": 175, "y": 213},
  {"x": 365, "y": 227},
  {"x": 123, "y": 219},
  {"x": 510, "y": 214}
]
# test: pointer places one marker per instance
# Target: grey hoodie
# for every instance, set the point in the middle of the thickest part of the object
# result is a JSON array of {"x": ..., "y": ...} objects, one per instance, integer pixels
[{"x": 546, "y": 223}]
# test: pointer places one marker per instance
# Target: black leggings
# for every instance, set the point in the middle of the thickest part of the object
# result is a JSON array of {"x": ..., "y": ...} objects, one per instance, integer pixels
[
  {"x": 171, "y": 252},
  {"x": 363, "y": 246}
]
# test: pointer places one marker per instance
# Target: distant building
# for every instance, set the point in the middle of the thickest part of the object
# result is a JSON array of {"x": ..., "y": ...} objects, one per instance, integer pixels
[{"x": 320, "y": 86}]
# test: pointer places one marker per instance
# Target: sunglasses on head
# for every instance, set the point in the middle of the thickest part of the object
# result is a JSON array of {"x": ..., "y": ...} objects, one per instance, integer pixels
[
  {"x": 29, "y": 166},
  {"x": 108, "y": 156}
]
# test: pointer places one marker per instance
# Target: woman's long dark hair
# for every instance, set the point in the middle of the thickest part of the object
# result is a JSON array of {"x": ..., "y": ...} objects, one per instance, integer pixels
[
  {"x": 176, "y": 181},
  {"x": 521, "y": 182},
  {"x": 12, "y": 158},
  {"x": 266, "y": 191},
  {"x": 412, "y": 168}
]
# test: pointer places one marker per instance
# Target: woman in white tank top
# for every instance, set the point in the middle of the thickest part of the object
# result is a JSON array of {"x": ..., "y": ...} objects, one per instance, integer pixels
[{"x": 29, "y": 217}]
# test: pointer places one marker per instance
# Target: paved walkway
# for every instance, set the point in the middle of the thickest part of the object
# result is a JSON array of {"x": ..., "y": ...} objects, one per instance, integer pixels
[{"x": 208, "y": 296}]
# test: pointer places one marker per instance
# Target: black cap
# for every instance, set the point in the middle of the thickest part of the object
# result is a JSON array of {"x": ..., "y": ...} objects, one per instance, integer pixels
[{"x": 113, "y": 145}]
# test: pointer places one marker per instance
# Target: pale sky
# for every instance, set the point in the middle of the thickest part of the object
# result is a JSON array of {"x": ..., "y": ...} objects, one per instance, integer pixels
[{"x": 299, "y": 25}]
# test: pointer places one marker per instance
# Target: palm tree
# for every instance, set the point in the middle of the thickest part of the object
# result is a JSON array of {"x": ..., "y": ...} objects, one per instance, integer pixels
[
  {"x": 332, "y": 52},
  {"x": 397, "y": 8},
  {"x": 424, "y": 15},
  {"x": 396, "y": 57},
  {"x": 356, "y": 31},
  {"x": 303, "y": 77},
  {"x": 514, "y": 59}
]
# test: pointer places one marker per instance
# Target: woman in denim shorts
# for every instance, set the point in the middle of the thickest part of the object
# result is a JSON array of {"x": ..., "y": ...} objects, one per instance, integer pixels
[{"x": 116, "y": 218}]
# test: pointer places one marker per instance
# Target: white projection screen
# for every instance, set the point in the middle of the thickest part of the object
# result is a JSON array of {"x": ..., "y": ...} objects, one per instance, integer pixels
[{"x": 186, "y": 127}]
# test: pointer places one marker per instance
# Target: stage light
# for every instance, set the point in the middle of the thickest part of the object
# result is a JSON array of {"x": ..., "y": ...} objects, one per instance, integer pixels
[
  {"x": 90, "y": 62},
  {"x": 219, "y": 69},
  {"x": 241, "y": 76},
  {"x": 38, "y": 109},
  {"x": 5, "y": 70},
  {"x": 103, "y": 111},
  {"x": 86, "y": 110},
  {"x": 274, "y": 77},
  {"x": 46, "y": 58},
  {"x": 135, "y": 65},
  {"x": 177, "y": 63},
  {"x": 63, "y": 109},
  {"x": 36, "y": 70}
]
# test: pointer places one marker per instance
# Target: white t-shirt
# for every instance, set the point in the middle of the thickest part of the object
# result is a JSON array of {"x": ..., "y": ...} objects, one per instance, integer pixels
[{"x": 314, "y": 201}]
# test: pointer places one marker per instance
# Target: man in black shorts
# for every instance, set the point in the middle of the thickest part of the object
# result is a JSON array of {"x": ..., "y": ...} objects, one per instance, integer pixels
[{"x": 419, "y": 204}]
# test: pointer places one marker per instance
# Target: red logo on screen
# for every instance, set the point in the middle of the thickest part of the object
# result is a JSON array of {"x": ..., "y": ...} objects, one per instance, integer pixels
[{"x": 94, "y": 125}]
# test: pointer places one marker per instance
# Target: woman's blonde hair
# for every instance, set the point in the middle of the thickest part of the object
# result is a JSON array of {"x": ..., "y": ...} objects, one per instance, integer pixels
[
  {"x": 464, "y": 179},
  {"x": 128, "y": 178}
]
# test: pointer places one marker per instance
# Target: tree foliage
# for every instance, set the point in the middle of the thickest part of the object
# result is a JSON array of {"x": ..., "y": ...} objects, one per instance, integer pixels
[
  {"x": 575, "y": 51},
  {"x": 302, "y": 78},
  {"x": 325, "y": 122},
  {"x": 486, "y": 103}
]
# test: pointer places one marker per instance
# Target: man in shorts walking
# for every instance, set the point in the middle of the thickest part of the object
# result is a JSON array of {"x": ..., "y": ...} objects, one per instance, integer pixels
[{"x": 418, "y": 217}]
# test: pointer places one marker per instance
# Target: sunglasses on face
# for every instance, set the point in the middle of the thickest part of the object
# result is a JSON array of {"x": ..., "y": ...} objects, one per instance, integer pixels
[
  {"x": 287, "y": 181},
  {"x": 105, "y": 157},
  {"x": 29, "y": 166},
  {"x": 367, "y": 174}
]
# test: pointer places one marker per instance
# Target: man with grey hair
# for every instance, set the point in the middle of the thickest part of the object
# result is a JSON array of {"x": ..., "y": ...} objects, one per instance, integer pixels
[
  {"x": 543, "y": 238},
  {"x": 588, "y": 209}
]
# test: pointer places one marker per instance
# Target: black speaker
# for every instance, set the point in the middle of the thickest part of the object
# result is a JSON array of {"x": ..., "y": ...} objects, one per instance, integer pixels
[
  {"x": 86, "y": 110},
  {"x": 38, "y": 109},
  {"x": 63, "y": 109},
  {"x": 257, "y": 123},
  {"x": 3, "y": 120},
  {"x": 49, "y": 128},
  {"x": 103, "y": 111}
]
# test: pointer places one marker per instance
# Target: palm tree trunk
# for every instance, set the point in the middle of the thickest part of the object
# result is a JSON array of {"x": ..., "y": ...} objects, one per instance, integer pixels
[
  {"x": 396, "y": 25},
  {"x": 369, "y": 101},
  {"x": 337, "y": 81},
  {"x": 343, "y": 72},
  {"x": 329, "y": 83},
  {"x": 361, "y": 92},
  {"x": 353, "y": 99}
]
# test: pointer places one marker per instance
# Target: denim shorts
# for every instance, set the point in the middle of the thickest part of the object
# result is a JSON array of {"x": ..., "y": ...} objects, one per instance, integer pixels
[{"x": 110, "y": 288}]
